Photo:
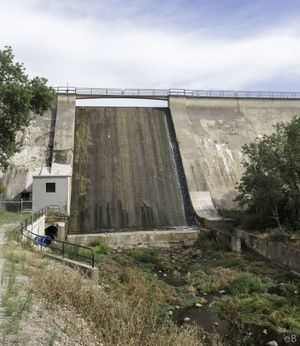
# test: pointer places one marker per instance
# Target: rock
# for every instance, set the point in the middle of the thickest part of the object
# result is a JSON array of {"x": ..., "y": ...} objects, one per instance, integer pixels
[
  {"x": 216, "y": 324},
  {"x": 187, "y": 319},
  {"x": 176, "y": 273},
  {"x": 202, "y": 300},
  {"x": 198, "y": 305},
  {"x": 222, "y": 292},
  {"x": 272, "y": 343},
  {"x": 190, "y": 289},
  {"x": 170, "y": 313},
  {"x": 265, "y": 332}
]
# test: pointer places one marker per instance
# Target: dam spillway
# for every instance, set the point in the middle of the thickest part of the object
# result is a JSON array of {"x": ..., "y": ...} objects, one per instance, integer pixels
[
  {"x": 124, "y": 171},
  {"x": 141, "y": 168}
]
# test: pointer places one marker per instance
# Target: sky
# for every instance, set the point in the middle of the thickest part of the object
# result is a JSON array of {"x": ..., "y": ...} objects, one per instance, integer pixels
[{"x": 204, "y": 44}]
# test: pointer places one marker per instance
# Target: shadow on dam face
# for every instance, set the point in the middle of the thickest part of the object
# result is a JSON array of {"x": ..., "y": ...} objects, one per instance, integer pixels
[{"x": 124, "y": 171}]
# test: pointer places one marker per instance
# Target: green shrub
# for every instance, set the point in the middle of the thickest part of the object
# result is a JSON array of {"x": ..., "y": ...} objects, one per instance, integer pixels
[
  {"x": 279, "y": 234},
  {"x": 99, "y": 246},
  {"x": 246, "y": 283},
  {"x": 145, "y": 256},
  {"x": 289, "y": 288},
  {"x": 255, "y": 222},
  {"x": 210, "y": 244}
]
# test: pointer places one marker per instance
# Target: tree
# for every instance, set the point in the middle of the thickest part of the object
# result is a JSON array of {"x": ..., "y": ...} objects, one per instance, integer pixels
[
  {"x": 19, "y": 96},
  {"x": 270, "y": 185}
]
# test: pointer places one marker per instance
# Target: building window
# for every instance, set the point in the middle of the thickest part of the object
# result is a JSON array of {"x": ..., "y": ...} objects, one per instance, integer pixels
[
  {"x": 25, "y": 196},
  {"x": 50, "y": 187}
]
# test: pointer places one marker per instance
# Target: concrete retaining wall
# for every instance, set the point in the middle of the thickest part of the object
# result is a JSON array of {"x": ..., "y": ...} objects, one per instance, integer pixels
[
  {"x": 154, "y": 238},
  {"x": 275, "y": 251},
  {"x": 38, "y": 227}
]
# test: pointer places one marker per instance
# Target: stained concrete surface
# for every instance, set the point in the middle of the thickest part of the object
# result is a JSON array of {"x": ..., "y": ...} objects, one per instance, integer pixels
[
  {"x": 124, "y": 173},
  {"x": 210, "y": 133}
]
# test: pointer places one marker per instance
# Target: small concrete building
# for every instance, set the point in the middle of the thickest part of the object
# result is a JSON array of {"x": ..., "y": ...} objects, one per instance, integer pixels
[{"x": 51, "y": 190}]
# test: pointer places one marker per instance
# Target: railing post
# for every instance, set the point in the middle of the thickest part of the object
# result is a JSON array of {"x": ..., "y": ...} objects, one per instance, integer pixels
[
  {"x": 63, "y": 249},
  {"x": 93, "y": 259}
]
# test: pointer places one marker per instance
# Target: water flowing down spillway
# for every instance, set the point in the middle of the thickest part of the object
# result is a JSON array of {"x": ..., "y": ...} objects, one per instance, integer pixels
[{"x": 124, "y": 171}]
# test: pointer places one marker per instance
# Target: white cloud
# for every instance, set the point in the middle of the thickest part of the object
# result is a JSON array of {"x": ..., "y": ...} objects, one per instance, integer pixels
[{"x": 86, "y": 51}]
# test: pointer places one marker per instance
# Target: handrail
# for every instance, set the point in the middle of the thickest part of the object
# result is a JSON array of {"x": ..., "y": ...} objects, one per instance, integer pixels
[
  {"x": 63, "y": 250},
  {"x": 65, "y": 245},
  {"x": 165, "y": 93}
]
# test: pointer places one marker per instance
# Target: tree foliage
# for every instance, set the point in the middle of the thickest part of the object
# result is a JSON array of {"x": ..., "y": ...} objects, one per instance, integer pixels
[
  {"x": 270, "y": 186},
  {"x": 19, "y": 96}
]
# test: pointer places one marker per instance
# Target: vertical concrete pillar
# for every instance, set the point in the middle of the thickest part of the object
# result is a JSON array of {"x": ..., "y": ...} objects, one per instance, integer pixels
[
  {"x": 235, "y": 243},
  {"x": 61, "y": 231},
  {"x": 63, "y": 145}
]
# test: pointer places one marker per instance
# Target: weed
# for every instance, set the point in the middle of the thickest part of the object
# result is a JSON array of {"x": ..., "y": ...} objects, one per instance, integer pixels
[
  {"x": 289, "y": 288},
  {"x": 246, "y": 283},
  {"x": 13, "y": 303},
  {"x": 279, "y": 234},
  {"x": 116, "y": 318},
  {"x": 99, "y": 246},
  {"x": 210, "y": 244},
  {"x": 264, "y": 310},
  {"x": 52, "y": 338},
  {"x": 13, "y": 234},
  {"x": 10, "y": 217}
]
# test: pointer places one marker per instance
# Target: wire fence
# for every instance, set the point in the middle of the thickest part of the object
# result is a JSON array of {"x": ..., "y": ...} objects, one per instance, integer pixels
[
  {"x": 16, "y": 206},
  {"x": 166, "y": 93}
]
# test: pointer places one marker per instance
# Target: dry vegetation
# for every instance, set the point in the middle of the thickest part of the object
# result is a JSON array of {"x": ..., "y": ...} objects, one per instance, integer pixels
[{"x": 63, "y": 300}]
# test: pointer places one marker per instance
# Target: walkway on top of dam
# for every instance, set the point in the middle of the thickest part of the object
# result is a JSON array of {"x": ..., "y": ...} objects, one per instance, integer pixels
[{"x": 164, "y": 94}]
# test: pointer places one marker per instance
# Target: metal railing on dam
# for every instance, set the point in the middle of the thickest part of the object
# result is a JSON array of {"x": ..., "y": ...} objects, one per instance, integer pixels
[{"x": 164, "y": 94}]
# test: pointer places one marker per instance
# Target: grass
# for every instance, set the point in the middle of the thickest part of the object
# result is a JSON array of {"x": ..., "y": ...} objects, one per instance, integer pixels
[
  {"x": 132, "y": 311},
  {"x": 262, "y": 309},
  {"x": 11, "y": 217},
  {"x": 116, "y": 318},
  {"x": 131, "y": 304},
  {"x": 13, "y": 234},
  {"x": 210, "y": 244},
  {"x": 289, "y": 288},
  {"x": 211, "y": 280},
  {"x": 246, "y": 283},
  {"x": 14, "y": 302}
]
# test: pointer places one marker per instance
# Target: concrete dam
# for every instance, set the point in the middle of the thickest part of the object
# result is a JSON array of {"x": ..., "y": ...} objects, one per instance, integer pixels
[
  {"x": 124, "y": 170},
  {"x": 138, "y": 168}
]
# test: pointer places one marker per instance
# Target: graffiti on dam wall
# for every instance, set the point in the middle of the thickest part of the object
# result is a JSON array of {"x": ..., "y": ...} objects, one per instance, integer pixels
[{"x": 124, "y": 172}]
